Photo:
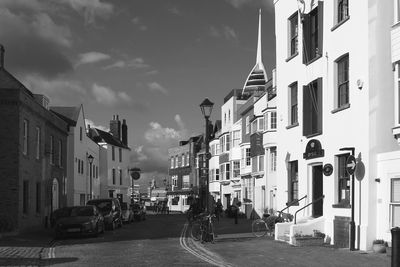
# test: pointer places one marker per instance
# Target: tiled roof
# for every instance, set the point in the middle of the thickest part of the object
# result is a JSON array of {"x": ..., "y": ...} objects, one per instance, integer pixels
[
  {"x": 102, "y": 136},
  {"x": 8, "y": 81},
  {"x": 69, "y": 114}
]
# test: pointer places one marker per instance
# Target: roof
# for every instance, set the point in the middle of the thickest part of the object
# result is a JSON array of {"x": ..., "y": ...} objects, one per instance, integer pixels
[
  {"x": 8, "y": 81},
  {"x": 99, "y": 136},
  {"x": 69, "y": 114}
]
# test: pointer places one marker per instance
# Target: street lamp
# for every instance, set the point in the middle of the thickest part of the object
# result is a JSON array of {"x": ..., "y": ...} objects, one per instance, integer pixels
[
  {"x": 135, "y": 174},
  {"x": 90, "y": 159},
  {"x": 352, "y": 223},
  {"x": 206, "y": 108}
]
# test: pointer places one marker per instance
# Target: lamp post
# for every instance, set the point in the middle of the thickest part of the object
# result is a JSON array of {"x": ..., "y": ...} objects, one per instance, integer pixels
[
  {"x": 90, "y": 159},
  {"x": 352, "y": 223},
  {"x": 206, "y": 108},
  {"x": 135, "y": 175}
]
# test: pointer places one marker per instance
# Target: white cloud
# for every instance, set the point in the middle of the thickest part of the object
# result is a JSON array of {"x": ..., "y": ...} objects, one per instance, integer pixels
[
  {"x": 138, "y": 22},
  {"x": 175, "y": 11},
  {"x": 226, "y": 32},
  {"x": 91, "y": 9},
  {"x": 136, "y": 63},
  {"x": 47, "y": 29},
  {"x": 107, "y": 96},
  {"x": 90, "y": 123},
  {"x": 61, "y": 92},
  {"x": 156, "y": 87},
  {"x": 91, "y": 57}
]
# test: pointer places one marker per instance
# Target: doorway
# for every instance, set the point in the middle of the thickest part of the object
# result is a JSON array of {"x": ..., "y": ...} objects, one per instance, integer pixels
[
  {"x": 227, "y": 200},
  {"x": 54, "y": 193},
  {"x": 317, "y": 191}
]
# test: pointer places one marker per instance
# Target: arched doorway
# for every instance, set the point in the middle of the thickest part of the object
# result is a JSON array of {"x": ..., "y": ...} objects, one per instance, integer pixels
[{"x": 55, "y": 195}]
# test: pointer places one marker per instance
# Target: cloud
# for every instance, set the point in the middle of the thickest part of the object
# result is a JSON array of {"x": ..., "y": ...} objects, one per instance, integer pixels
[
  {"x": 90, "y": 123},
  {"x": 175, "y": 11},
  {"x": 153, "y": 155},
  {"x": 106, "y": 96},
  {"x": 61, "y": 92},
  {"x": 33, "y": 40},
  {"x": 138, "y": 22},
  {"x": 136, "y": 63},
  {"x": 91, "y": 57},
  {"x": 257, "y": 3},
  {"x": 91, "y": 9},
  {"x": 156, "y": 87},
  {"x": 223, "y": 32}
]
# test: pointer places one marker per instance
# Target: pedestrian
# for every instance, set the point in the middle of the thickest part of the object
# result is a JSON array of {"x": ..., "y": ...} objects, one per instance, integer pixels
[
  {"x": 218, "y": 209},
  {"x": 235, "y": 208}
]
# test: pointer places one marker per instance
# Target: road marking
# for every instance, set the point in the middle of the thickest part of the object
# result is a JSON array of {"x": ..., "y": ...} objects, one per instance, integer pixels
[{"x": 200, "y": 252}]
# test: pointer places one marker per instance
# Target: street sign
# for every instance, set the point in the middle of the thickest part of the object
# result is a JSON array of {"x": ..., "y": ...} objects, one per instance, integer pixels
[
  {"x": 351, "y": 165},
  {"x": 360, "y": 170},
  {"x": 328, "y": 169}
]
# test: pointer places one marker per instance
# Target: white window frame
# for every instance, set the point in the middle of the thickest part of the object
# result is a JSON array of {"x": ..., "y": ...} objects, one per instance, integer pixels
[
  {"x": 236, "y": 138},
  {"x": 291, "y": 120},
  {"x": 397, "y": 95},
  {"x": 394, "y": 202},
  {"x": 247, "y": 125},
  {"x": 272, "y": 157},
  {"x": 293, "y": 37},
  {"x": 235, "y": 169},
  {"x": 247, "y": 157},
  {"x": 336, "y": 98}
]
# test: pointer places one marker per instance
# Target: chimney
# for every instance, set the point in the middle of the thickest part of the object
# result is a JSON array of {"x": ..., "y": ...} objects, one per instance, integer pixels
[
  {"x": 114, "y": 129},
  {"x": 124, "y": 132},
  {"x": 119, "y": 128},
  {"x": 2, "y": 51}
]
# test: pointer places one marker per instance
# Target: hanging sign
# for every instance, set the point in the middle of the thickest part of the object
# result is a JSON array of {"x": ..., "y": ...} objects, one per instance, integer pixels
[
  {"x": 328, "y": 169},
  {"x": 313, "y": 150}
]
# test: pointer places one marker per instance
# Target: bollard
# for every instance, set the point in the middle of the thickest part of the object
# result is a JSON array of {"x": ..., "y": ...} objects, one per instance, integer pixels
[{"x": 395, "y": 246}]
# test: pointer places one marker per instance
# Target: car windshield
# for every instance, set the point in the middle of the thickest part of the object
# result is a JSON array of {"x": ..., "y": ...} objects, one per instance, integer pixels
[
  {"x": 61, "y": 213},
  {"x": 124, "y": 206},
  {"x": 103, "y": 206},
  {"x": 82, "y": 211}
]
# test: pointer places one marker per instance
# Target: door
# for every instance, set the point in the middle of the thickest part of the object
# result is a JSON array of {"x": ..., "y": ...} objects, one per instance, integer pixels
[
  {"x": 54, "y": 194},
  {"x": 228, "y": 200},
  {"x": 317, "y": 190}
]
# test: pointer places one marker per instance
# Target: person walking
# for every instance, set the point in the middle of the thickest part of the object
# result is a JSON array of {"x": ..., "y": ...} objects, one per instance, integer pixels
[
  {"x": 235, "y": 208},
  {"x": 218, "y": 209}
]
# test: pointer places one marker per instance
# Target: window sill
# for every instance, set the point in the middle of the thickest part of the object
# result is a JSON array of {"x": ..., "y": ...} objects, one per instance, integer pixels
[
  {"x": 270, "y": 131},
  {"x": 340, "y": 23},
  {"x": 346, "y": 106},
  {"x": 292, "y": 125},
  {"x": 341, "y": 206},
  {"x": 318, "y": 56},
  {"x": 313, "y": 135},
  {"x": 292, "y": 56}
]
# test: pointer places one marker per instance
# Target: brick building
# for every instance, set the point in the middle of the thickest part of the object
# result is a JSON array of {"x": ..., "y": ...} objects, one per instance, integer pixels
[{"x": 32, "y": 159}]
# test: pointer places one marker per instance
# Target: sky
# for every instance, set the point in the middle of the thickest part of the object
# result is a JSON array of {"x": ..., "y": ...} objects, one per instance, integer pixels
[{"x": 152, "y": 62}]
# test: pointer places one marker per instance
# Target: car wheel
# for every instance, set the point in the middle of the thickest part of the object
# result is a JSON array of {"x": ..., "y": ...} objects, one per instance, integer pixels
[{"x": 96, "y": 231}]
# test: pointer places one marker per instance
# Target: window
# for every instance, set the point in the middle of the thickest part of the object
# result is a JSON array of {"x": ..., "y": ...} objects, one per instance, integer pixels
[
  {"x": 51, "y": 149},
  {"x": 183, "y": 160},
  {"x": 216, "y": 174},
  {"x": 273, "y": 120},
  {"x": 293, "y": 190},
  {"x": 225, "y": 118},
  {"x": 342, "y": 95},
  {"x": 293, "y": 116},
  {"x": 395, "y": 202},
  {"x": 235, "y": 138},
  {"x": 260, "y": 124},
  {"x": 229, "y": 115},
  {"x": 113, "y": 153},
  {"x": 187, "y": 158},
  {"x": 113, "y": 176},
  {"x": 60, "y": 153},
  {"x": 254, "y": 126},
  {"x": 248, "y": 158},
  {"x": 343, "y": 180},
  {"x": 38, "y": 197},
  {"x": 80, "y": 133},
  {"x": 120, "y": 177},
  {"x": 172, "y": 162},
  {"x": 37, "y": 143},
  {"x": 82, "y": 201},
  {"x": 179, "y": 161},
  {"x": 227, "y": 171},
  {"x": 272, "y": 153},
  {"x": 261, "y": 163},
  {"x": 312, "y": 34},
  {"x": 236, "y": 169},
  {"x": 97, "y": 171},
  {"x": 186, "y": 181},
  {"x": 217, "y": 149},
  {"x": 342, "y": 10},
  {"x": 247, "y": 125},
  {"x": 312, "y": 108},
  {"x": 398, "y": 92},
  {"x": 25, "y": 195},
  {"x": 120, "y": 154},
  {"x": 25, "y": 138},
  {"x": 293, "y": 24},
  {"x": 228, "y": 141},
  {"x": 224, "y": 142}
]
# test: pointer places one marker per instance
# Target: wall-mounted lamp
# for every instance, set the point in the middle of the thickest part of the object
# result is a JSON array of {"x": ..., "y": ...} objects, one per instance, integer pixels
[
  {"x": 378, "y": 180},
  {"x": 360, "y": 84}
]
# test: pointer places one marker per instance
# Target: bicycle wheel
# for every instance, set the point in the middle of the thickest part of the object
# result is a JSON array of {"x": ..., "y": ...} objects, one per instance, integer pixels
[
  {"x": 195, "y": 231},
  {"x": 259, "y": 228}
]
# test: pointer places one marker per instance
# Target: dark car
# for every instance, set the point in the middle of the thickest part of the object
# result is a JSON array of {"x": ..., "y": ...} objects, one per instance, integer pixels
[
  {"x": 111, "y": 211},
  {"x": 139, "y": 211},
  {"x": 59, "y": 213},
  {"x": 79, "y": 220},
  {"x": 127, "y": 213}
]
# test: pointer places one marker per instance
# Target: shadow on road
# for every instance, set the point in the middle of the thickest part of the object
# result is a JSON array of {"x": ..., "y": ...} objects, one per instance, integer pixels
[{"x": 33, "y": 261}]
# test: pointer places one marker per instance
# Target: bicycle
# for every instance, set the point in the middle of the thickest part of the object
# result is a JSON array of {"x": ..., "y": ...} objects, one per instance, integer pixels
[
  {"x": 260, "y": 227},
  {"x": 203, "y": 228}
]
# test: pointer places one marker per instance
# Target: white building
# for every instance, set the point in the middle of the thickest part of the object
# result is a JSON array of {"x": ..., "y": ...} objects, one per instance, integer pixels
[
  {"x": 83, "y": 182},
  {"x": 115, "y": 179},
  {"x": 335, "y": 92}
]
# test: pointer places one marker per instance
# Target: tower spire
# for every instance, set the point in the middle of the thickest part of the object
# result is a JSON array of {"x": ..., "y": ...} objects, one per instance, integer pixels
[{"x": 259, "y": 54}]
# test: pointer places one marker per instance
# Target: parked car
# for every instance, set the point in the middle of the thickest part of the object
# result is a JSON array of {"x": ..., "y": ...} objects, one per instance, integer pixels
[
  {"x": 111, "y": 211},
  {"x": 79, "y": 220},
  {"x": 139, "y": 211},
  {"x": 59, "y": 213},
  {"x": 127, "y": 213}
]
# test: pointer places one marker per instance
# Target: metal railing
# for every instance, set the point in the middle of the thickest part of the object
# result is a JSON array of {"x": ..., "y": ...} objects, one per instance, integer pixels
[
  {"x": 314, "y": 201},
  {"x": 288, "y": 205}
]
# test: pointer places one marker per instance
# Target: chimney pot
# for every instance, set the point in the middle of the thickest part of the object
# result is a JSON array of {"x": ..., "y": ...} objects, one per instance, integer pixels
[{"x": 2, "y": 51}]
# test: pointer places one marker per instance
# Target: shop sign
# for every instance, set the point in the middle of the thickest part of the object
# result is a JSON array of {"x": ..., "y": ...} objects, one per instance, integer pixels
[{"x": 313, "y": 150}]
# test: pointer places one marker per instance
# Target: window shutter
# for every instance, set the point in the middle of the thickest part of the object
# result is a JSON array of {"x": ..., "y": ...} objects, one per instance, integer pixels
[
  {"x": 306, "y": 38},
  {"x": 319, "y": 99},
  {"x": 307, "y": 105},
  {"x": 320, "y": 26}
]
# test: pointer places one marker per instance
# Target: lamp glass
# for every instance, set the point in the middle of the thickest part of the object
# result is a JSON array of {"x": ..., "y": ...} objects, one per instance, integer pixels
[
  {"x": 206, "y": 107},
  {"x": 90, "y": 158}
]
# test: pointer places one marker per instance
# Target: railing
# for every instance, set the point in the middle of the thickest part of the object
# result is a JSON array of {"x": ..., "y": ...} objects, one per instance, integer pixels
[
  {"x": 314, "y": 201},
  {"x": 288, "y": 205}
]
